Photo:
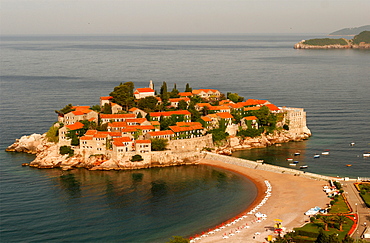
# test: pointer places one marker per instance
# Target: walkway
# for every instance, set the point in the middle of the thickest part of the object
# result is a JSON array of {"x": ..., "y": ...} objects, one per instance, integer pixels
[{"x": 358, "y": 206}]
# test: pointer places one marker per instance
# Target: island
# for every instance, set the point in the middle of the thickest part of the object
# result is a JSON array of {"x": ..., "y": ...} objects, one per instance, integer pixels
[
  {"x": 135, "y": 128},
  {"x": 360, "y": 41},
  {"x": 350, "y": 31}
]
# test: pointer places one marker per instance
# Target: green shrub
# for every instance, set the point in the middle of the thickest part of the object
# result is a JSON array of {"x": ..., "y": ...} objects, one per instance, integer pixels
[
  {"x": 66, "y": 150},
  {"x": 52, "y": 134},
  {"x": 325, "y": 41},
  {"x": 137, "y": 157}
]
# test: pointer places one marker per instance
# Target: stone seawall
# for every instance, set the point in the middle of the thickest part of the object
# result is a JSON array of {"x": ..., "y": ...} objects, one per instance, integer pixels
[{"x": 266, "y": 167}]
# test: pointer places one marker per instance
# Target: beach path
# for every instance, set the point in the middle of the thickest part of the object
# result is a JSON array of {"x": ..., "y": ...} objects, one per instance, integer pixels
[{"x": 291, "y": 196}]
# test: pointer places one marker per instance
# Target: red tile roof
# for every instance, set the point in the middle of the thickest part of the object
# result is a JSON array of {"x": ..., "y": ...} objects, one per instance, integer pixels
[
  {"x": 225, "y": 115},
  {"x": 144, "y": 90},
  {"x": 90, "y": 132},
  {"x": 272, "y": 107},
  {"x": 121, "y": 140},
  {"x": 219, "y": 107},
  {"x": 143, "y": 141},
  {"x": 100, "y": 135},
  {"x": 206, "y": 119},
  {"x": 251, "y": 102},
  {"x": 75, "y": 126},
  {"x": 185, "y": 94},
  {"x": 187, "y": 124},
  {"x": 169, "y": 113},
  {"x": 253, "y": 108},
  {"x": 178, "y": 99},
  {"x": 136, "y": 120},
  {"x": 187, "y": 128},
  {"x": 160, "y": 133},
  {"x": 250, "y": 118},
  {"x": 77, "y": 113},
  {"x": 106, "y": 97},
  {"x": 114, "y": 134},
  {"x": 117, "y": 116},
  {"x": 86, "y": 138}
]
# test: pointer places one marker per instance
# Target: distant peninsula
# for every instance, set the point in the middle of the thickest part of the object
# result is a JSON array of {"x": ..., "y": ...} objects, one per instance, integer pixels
[
  {"x": 360, "y": 41},
  {"x": 350, "y": 31}
]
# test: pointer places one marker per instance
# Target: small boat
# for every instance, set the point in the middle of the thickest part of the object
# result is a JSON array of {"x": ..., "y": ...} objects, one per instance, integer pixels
[
  {"x": 303, "y": 167},
  {"x": 289, "y": 159},
  {"x": 352, "y": 144},
  {"x": 348, "y": 165},
  {"x": 366, "y": 154},
  {"x": 316, "y": 156},
  {"x": 292, "y": 164},
  {"x": 295, "y": 162},
  {"x": 297, "y": 153},
  {"x": 325, "y": 153}
]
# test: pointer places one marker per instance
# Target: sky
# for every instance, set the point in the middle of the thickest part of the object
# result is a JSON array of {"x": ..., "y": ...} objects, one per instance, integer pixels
[{"x": 132, "y": 17}]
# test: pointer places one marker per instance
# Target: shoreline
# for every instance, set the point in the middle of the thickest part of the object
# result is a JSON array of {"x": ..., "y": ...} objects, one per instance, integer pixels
[{"x": 287, "y": 202}]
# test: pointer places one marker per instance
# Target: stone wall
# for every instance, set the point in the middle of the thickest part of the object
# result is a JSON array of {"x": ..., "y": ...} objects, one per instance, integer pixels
[
  {"x": 191, "y": 145},
  {"x": 266, "y": 167}
]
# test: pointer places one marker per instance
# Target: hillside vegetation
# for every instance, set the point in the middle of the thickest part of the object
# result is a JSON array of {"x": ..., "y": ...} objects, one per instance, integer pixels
[
  {"x": 351, "y": 31},
  {"x": 364, "y": 36},
  {"x": 325, "y": 41}
]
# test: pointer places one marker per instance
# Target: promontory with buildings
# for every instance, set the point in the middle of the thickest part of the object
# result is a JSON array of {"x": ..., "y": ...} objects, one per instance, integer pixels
[{"x": 137, "y": 128}]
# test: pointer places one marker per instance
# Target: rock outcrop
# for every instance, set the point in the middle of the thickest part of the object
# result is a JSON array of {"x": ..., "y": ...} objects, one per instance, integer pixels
[
  {"x": 362, "y": 45},
  {"x": 48, "y": 156}
]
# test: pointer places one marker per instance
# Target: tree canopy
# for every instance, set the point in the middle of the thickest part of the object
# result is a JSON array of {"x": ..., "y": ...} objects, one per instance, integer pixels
[
  {"x": 124, "y": 95},
  {"x": 147, "y": 104}
]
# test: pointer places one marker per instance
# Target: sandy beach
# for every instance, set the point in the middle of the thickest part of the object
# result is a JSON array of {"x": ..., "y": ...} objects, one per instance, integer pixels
[{"x": 291, "y": 196}]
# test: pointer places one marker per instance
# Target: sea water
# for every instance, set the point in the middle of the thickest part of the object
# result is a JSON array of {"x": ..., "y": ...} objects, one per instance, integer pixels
[{"x": 41, "y": 74}]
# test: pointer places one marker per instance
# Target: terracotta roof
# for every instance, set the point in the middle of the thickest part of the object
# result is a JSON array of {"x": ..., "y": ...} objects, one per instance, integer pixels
[
  {"x": 155, "y": 123},
  {"x": 77, "y": 113},
  {"x": 224, "y": 115},
  {"x": 250, "y": 118},
  {"x": 222, "y": 102},
  {"x": 206, "y": 119},
  {"x": 138, "y": 120},
  {"x": 183, "y": 129},
  {"x": 113, "y": 116},
  {"x": 86, "y": 138},
  {"x": 169, "y": 113},
  {"x": 100, "y": 135},
  {"x": 80, "y": 107},
  {"x": 253, "y": 108},
  {"x": 150, "y": 127},
  {"x": 159, "y": 133},
  {"x": 203, "y": 104},
  {"x": 219, "y": 107},
  {"x": 128, "y": 129},
  {"x": 121, "y": 140},
  {"x": 272, "y": 107},
  {"x": 197, "y": 91},
  {"x": 178, "y": 99},
  {"x": 106, "y": 97},
  {"x": 90, "y": 132},
  {"x": 186, "y": 124},
  {"x": 133, "y": 109},
  {"x": 185, "y": 94},
  {"x": 75, "y": 126},
  {"x": 250, "y": 102},
  {"x": 143, "y": 141},
  {"x": 114, "y": 134},
  {"x": 144, "y": 90}
]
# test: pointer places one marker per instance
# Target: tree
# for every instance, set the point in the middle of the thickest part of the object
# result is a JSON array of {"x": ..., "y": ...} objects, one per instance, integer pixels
[
  {"x": 137, "y": 157},
  {"x": 124, "y": 95},
  {"x": 68, "y": 108},
  {"x": 107, "y": 109},
  {"x": 188, "y": 88},
  {"x": 96, "y": 108},
  {"x": 163, "y": 93},
  {"x": 341, "y": 219},
  {"x": 326, "y": 221},
  {"x": 348, "y": 239},
  {"x": 52, "y": 134},
  {"x": 322, "y": 237},
  {"x": 234, "y": 97},
  {"x": 333, "y": 238},
  {"x": 182, "y": 105},
  {"x": 66, "y": 150},
  {"x": 175, "y": 92},
  {"x": 159, "y": 144},
  {"x": 147, "y": 104}
]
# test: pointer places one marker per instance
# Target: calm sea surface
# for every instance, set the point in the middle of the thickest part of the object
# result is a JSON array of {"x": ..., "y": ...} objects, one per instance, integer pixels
[{"x": 41, "y": 74}]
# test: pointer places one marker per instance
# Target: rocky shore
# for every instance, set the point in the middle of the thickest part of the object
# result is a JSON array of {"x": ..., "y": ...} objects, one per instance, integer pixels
[
  {"x": 301, "y": 45},
  {"x": 48, "y": 156}
]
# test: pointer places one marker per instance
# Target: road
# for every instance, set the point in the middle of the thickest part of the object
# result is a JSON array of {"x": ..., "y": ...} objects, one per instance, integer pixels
[{"x": 358, "y": 206}]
